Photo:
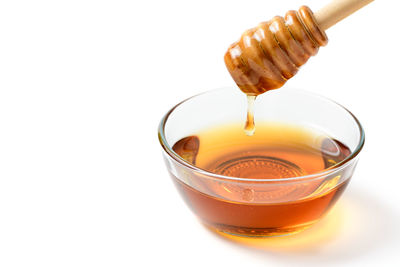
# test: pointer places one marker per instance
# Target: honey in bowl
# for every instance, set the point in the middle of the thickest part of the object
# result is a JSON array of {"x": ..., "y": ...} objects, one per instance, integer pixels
[{"x": 274, "y": 152}]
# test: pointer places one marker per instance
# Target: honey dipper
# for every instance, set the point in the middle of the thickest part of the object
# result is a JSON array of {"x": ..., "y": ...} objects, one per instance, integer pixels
[{"x": 268, "y": 55}]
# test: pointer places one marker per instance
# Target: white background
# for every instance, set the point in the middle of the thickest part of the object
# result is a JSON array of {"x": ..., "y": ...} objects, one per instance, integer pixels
[{"x": 83, "y": 85}]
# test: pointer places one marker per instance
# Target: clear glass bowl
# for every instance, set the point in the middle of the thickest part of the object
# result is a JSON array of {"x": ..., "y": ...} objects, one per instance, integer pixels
[{"x": 250, "y": 207}]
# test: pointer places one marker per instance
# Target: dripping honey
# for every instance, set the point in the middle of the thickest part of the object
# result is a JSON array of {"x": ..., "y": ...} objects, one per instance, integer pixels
[
  {"x": 275, "y": 151},
  {"x": 250, "y": 127}
]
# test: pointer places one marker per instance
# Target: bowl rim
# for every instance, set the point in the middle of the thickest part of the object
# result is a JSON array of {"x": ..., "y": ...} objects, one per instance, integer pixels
[{"x": 338, "y": 166}]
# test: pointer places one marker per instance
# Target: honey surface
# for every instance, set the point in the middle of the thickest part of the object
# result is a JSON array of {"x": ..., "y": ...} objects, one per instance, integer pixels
[{"x": 274, "y": 151}]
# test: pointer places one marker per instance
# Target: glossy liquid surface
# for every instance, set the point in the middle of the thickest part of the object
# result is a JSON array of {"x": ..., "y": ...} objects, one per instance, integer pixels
[{"x": 274, "y": 151}]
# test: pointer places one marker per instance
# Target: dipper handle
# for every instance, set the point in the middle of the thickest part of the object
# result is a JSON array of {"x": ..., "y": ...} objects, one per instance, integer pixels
[{"x": 337, "y": 10}]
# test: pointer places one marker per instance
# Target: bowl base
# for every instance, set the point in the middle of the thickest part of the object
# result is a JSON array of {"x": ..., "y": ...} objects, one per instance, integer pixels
[{"x": 256, "y": 232}]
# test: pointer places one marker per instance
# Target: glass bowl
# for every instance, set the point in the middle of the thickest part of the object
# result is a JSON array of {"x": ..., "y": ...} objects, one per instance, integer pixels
[{"x": 251, "y": 206}]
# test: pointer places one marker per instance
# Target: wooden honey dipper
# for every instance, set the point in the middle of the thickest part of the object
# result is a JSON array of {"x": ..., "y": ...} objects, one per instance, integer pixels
[{"x": 268, "y": 55}]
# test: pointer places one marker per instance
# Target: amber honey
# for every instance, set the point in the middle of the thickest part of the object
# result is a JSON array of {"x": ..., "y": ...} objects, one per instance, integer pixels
[{"x": 264, "y": 202}]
